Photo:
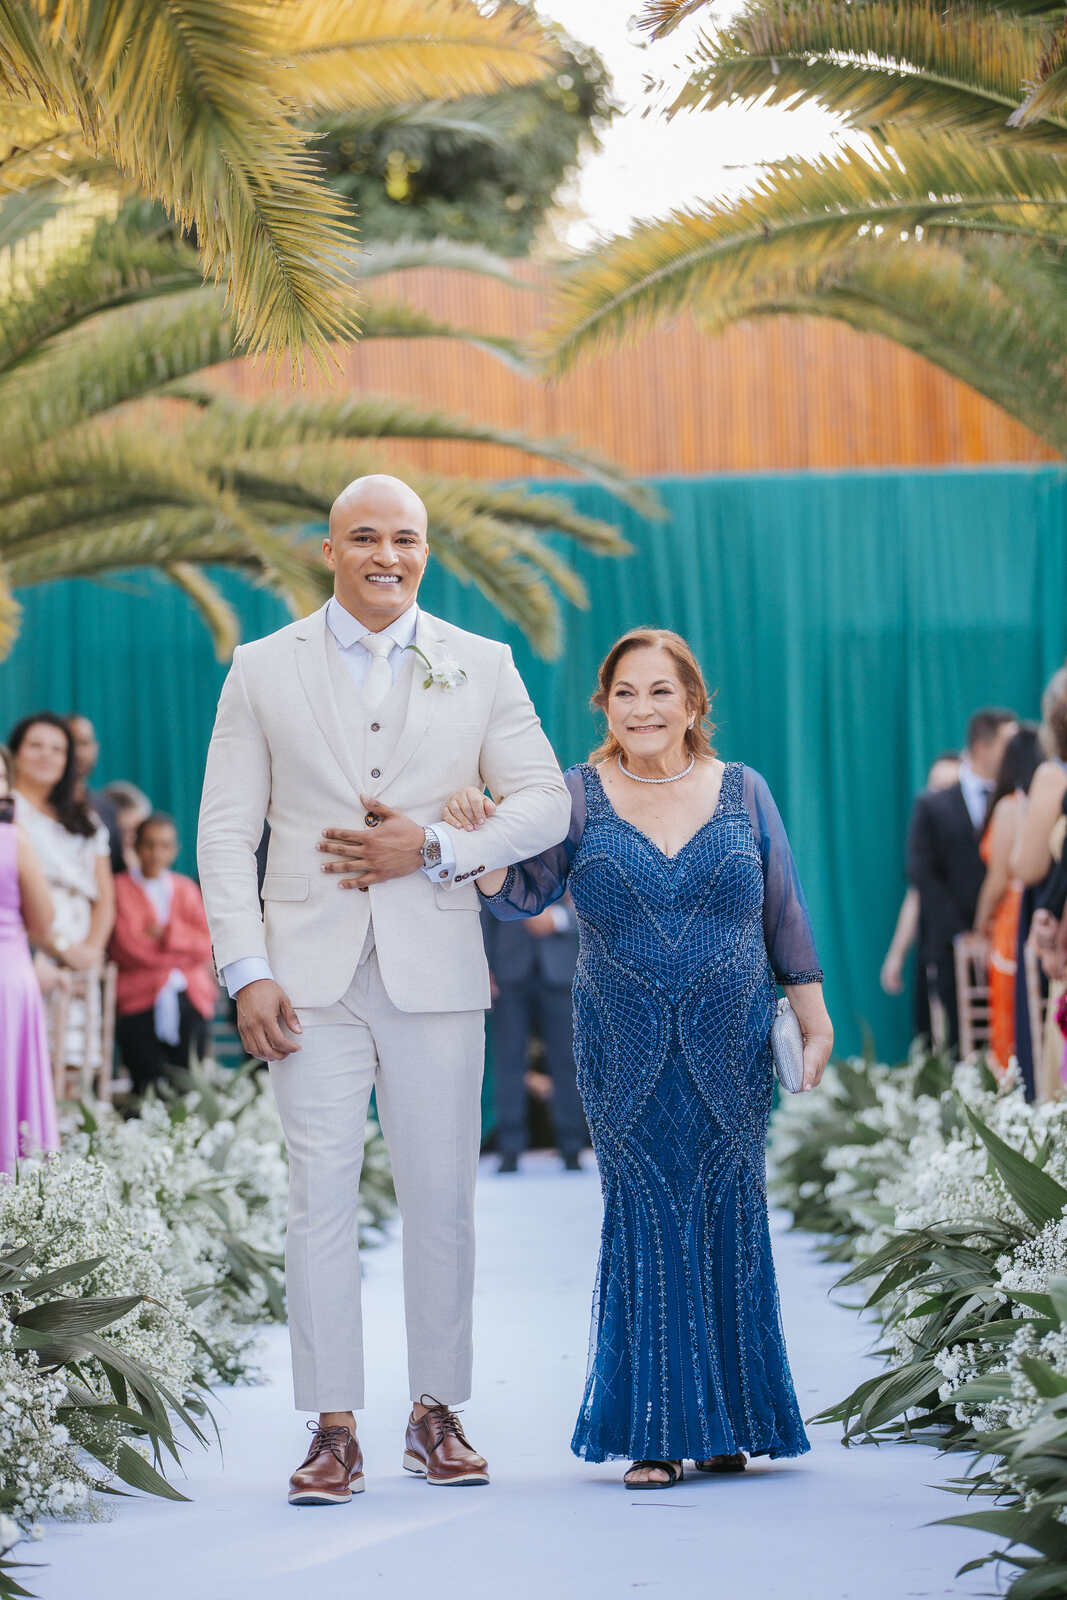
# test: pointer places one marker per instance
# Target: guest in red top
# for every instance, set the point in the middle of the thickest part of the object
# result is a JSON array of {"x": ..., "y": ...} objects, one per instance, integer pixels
[{"x": 162, "y": 948}]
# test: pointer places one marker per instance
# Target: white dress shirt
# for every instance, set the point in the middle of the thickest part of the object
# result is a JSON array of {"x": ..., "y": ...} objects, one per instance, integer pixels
[
  {"x": 166, "y": 1012},
  {"x": 976, "y": 792},
  {"x": 349, "y": 632}
]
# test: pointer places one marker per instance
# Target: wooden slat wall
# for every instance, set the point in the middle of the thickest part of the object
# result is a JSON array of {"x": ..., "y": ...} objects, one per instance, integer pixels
[{"x": 779, "y": 394}]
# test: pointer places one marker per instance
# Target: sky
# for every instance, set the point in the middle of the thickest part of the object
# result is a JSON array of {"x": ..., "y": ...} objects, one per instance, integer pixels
[{"x": 648, "y": 165}]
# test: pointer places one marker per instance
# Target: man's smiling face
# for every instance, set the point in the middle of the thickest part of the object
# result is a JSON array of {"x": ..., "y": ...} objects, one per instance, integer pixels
[{"x": 377, "y": 549}]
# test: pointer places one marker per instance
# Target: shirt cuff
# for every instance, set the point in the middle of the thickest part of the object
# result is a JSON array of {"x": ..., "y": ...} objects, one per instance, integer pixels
[
  {"x": 442, "y": 871},
  {"x": 249, "y": 969}
]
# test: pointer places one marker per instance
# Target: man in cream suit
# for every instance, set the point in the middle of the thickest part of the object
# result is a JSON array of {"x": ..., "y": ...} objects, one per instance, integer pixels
[{"x": 348, "y": 730}]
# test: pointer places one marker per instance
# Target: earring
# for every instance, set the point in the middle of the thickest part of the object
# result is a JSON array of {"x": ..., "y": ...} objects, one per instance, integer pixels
[{"x": 691, "y": 721}]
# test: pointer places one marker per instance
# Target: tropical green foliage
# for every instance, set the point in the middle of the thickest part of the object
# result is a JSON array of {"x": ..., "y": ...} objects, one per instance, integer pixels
[
  {"x": 204, "y": 107},
  {"x": 482, "y": 170},
  {"x": 949, "y": 1197},
  {"x": 939, "y": 220},
  {"x": 120, "y": 316}
]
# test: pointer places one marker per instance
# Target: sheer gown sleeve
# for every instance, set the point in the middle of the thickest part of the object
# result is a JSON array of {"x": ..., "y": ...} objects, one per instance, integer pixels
[
  {"x": 787, "y": 929},
  {"x": 532, "y": 885}
]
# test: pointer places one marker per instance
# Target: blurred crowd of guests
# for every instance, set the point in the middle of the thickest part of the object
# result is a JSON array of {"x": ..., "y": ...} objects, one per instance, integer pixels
[
  {"x": 985, "y": 857},
  {"x": 100, "y": 939}
]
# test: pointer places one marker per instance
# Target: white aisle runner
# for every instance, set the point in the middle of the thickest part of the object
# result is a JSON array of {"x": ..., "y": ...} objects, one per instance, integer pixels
[{"x": 836, "y": 1523}]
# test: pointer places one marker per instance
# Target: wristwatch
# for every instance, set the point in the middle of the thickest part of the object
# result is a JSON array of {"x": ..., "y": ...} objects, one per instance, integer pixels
[{"x": 431, "y": 848}]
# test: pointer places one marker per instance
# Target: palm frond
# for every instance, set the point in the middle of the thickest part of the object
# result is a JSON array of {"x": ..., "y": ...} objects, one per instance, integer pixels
[
  {"x": 980, "y": 310},
  {"x": 212, "y": 605},
  {"x": 797, "y": 213},
  {"x": 24, "y": 212},
  {"x": 112, "y": 267},
  {"x": 396, "y": 320},
  {"x": 230, "y": 427},
  {"x": 121, "y": 356},
  {"x": 405, "y": 255},
  {"x": 336, "y": 54},
  {"x": 1047, "y": 94},
  {"x": 661, "y": 17},
  {"x": 878, "y": 63},
  {"x": 10, "y": 611},
  {"x": 179, "y": 99}
]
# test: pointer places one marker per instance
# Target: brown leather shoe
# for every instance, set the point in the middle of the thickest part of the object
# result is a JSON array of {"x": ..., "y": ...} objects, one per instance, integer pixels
[
  {"x": 331, "y": 1472},
  {"x": 438, "y": 1450}
]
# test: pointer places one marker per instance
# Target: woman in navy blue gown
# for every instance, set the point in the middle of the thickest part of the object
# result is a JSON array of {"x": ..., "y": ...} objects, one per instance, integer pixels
[{"x": 689, "y": 910}]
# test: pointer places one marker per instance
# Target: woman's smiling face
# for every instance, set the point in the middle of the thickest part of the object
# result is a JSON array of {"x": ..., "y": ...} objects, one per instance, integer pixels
[
  {"x": 41, "y": 758},
  {"x": 647, "y": 708}
]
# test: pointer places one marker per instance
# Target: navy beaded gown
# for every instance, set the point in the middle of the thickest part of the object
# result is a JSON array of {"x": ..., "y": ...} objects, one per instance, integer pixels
[{"x": 674, "y": 995}]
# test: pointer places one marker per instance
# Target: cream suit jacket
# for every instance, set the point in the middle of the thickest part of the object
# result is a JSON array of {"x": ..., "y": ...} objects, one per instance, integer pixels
[{"x": 278, "y": 752}]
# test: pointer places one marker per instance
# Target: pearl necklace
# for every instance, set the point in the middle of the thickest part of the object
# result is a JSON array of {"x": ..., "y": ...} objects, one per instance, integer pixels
[{"x": 638, "y": 779}]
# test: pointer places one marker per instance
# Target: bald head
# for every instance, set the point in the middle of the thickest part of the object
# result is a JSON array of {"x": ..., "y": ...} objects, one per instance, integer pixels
[
  {"x": 376, "y": 548},
  {"x": 379, "y": 497}
]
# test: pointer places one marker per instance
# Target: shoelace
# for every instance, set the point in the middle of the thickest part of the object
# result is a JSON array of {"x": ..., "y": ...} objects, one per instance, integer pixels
[
  {"x": 446, "y": 1421},
  {"x": 334, "y": 1439}
]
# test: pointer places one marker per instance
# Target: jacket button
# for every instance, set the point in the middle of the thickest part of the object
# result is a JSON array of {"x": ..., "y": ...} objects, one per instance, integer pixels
[
  {"x": 375, "y": 727},
  {"x": 375, "y": 773}
]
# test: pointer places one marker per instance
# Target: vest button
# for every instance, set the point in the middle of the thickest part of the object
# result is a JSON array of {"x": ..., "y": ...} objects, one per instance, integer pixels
[
  {"x": 375, "y": 727},
  {"x": 375, "y": 773}
]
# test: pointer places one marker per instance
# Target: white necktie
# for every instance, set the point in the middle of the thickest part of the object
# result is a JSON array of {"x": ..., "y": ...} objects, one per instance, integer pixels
[{"x": 379, "y": 679}]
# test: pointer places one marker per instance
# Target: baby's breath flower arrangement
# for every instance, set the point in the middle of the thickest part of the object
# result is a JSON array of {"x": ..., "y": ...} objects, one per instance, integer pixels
[
  {"x": 136, "y": 1268},
  {"x": 946, "y": 1193}
]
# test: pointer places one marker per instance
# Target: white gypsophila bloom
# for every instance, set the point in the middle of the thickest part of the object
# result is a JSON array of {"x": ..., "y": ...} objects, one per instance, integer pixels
[{"x": 40, "y": 1474}]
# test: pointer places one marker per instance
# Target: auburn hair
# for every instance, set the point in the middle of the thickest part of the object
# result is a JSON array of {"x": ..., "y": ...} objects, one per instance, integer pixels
[{"x": 698, "y": 737}]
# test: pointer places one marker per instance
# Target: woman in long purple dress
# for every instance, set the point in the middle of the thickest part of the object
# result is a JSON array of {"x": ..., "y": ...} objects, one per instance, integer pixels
[{"x": 27, "y": 1103}]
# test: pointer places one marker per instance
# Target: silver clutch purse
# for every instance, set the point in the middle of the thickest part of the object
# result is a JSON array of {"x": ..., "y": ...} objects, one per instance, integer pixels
[{"x": 787, "y": 1048}]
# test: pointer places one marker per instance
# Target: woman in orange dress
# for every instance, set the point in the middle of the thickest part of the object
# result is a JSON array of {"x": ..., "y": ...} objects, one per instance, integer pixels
[{"x": 997, "y": 913}]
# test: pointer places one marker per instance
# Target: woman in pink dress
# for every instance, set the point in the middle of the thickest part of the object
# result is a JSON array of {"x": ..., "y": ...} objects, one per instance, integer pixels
[{"x": 27, "y": 1104}]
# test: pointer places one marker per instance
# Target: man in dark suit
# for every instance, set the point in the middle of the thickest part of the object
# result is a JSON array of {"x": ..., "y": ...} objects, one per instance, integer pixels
[
  {"x": 944, "y": 862},
  {"x": 531, "y": 964}
]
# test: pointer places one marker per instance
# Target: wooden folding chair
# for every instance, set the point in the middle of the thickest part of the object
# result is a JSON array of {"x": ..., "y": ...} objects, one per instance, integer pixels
[
  {"x": 971, "y": 952},
  {"x": 94, "y": 992}
]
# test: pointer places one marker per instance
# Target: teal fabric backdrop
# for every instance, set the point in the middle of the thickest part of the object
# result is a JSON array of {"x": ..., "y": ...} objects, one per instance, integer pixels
[{"x": 848, "y": 623}]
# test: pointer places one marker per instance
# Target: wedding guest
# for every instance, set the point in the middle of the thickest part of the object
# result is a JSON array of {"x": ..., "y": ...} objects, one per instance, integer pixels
[
  {"x": 944, "y": 772},
  {"x": 131, "y": 806},
  {"x": 689, "y": 912},
  {"x": 162, "y": 948},
  {"x": 86, "y": 756},
  {"x": 73, "y": 849},
  {"x": 1034, "y": 862},
  {"x": 997, "y": 914},
  {"x": 27, "y": 1103},
  {"x": 531, "y": 964},
  {"x": 944, "y": 862}
]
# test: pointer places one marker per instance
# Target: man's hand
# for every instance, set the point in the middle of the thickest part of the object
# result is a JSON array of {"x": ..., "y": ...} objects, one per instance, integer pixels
[
  {"x": 390, "y": 849},
  {"x": 266, "y": 1020}
]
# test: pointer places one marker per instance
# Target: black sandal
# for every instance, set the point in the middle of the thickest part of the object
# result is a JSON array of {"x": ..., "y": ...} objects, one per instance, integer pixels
[
  {"x": 732, "y": 1463},
  {"x": 674, "y": 1470}
]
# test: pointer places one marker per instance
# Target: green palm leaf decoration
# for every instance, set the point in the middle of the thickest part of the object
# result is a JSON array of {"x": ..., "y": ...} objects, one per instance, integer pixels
[
  {"x": 199, "y": 104},
  {"x": 942, "y": 227}
]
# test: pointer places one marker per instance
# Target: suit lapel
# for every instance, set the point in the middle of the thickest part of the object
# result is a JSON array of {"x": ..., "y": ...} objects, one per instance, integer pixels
[
  {"x": 422, "y": 702},
  {"x": 964, "y": 814},
  {"x": 313, "y": 669}
]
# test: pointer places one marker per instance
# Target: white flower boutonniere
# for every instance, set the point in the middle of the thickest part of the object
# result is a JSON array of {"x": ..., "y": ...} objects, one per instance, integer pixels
[{"x": 444, "y": 673}]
